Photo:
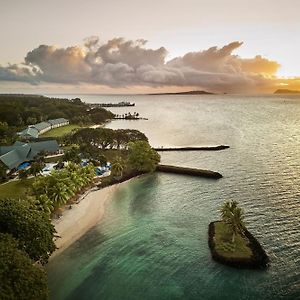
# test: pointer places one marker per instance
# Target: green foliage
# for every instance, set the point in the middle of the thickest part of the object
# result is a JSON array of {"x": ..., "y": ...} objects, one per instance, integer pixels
[
  {"x": 3, "y": 172},
  {"x": 7, "y": 135},
  {"x": 106, "y": 138},
  {"x": 224, "y": 245},
  {"x": 100, "y": 115},
  {"x": 142, "y": 157},
  {"x": 36, "y": 167},
  {"x": 19, "y": 277},
  {"x": 233, "y": 216},
  {"x": 72, "y": 155},
  {"x": 59, "y": 187},
  {"x": 30, "y": 227},
  {"x": 17, "y": 111},
  {"x": 118, "y": 166}
]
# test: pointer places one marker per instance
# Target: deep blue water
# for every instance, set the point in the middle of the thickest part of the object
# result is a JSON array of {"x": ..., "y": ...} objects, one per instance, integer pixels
[{"x": 152, "y": 242}]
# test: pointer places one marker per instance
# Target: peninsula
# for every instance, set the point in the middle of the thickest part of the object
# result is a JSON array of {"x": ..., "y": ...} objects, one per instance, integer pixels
[
  {"x": 286, "y": 91},
  {"x": 186, "y": 93}
]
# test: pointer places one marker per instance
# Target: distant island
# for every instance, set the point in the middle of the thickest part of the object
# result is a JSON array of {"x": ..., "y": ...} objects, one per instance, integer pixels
[
  {"x": 286, "y": 91},
  {"x": 186, "y": 93}
]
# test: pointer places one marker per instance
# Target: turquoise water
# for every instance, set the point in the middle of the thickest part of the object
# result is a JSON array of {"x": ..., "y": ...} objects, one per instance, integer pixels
[{"x": 152, "y": 242}]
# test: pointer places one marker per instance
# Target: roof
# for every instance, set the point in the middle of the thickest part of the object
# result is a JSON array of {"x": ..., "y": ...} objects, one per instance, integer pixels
[
  {"x": 34, "y": 130},
  {"x": 41, "y": 126},
  {"x": 58, "y": 121},
  {"x": 13, "y": 156},
  {"x": 16, "y": 156},
  {"x": 49, "y": 146},
  {"x": 29, "y": 132}
]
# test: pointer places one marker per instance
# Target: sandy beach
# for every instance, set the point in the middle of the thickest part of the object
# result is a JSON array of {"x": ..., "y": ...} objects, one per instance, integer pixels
[{"x": 83, "y": 216}]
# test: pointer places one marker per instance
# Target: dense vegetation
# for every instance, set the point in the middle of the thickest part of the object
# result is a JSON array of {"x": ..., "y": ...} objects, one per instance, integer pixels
[
  {"x": 53, "y": 191},
  {"x": 26, "y": 243},
  {"x": 106, "y": 138},
  {"x": 31, "y": 228},
  {"x": 19, "y": 277},
  {"x": 18, "y": 111}
]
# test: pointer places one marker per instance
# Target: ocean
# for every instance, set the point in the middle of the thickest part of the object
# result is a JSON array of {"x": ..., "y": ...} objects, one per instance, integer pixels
[{"x": 152, "y": 241}]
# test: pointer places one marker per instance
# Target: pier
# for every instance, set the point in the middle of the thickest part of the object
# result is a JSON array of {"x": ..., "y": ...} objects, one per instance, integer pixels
[
  {"x": 119, "y": 104},
  {"x": 188, "y": 171},
  {"x": 205, "y": 148}
]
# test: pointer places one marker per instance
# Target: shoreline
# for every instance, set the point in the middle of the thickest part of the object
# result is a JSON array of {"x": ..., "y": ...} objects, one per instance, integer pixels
[
  {"x": 75, "y": 222},
  {"x": 85, "y": 214}
]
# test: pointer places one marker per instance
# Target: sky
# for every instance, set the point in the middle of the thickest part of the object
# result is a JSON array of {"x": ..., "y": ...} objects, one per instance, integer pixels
[{"x": 138, "y": 46}]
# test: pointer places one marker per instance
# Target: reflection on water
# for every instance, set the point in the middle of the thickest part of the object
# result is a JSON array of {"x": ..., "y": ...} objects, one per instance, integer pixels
[{"x": 152, "y": 243}]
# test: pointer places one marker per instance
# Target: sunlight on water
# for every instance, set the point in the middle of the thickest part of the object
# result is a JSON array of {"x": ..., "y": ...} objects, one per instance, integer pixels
[{"x": 152, "y": 243}]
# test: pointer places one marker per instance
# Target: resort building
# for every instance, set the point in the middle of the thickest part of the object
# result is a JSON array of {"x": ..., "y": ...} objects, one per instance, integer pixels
[
  {"x": 33, "y": 131},
  {"x": 15, "y": 155}
]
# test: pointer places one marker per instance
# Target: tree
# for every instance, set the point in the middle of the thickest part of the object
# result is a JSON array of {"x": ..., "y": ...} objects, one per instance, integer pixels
[
  {"x": 44, "y": 204},
  {"x": 36, "y": 168},
  {"x": 117, "y": 166},
  {"x": 40, "y": 157},
  {"x": 19, "y": 277},
  {"x": 104, "y": 137},
  {"x": 233, "y": 216},
  {"x": 3, "y": 172},
  {"x": 58, "y": 194},
  {"x": 72, "y": 155},
  {"x": 142, "y": 157},
  {"x": 30, "y": 227}
]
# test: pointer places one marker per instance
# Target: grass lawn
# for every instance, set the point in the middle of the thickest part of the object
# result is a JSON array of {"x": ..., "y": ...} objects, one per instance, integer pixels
[
  {"x": 60, "y": 131},
  {"x": 224, "y": 246},
  {"x": 15, "y": 189}
]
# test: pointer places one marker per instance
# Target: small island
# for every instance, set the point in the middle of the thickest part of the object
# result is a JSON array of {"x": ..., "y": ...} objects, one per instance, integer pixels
[
  {"x": 286, "y": 91},
  {"x": 187, "y": 93},
  {"x": 232, "y": 244}
]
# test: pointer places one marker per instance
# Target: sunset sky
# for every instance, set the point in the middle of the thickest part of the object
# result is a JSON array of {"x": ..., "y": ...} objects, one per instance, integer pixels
[{"x": 138, "y": 46}]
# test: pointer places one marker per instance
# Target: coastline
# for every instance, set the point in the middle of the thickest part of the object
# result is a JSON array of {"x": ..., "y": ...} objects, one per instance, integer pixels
[{"x": 83, "y": 216}]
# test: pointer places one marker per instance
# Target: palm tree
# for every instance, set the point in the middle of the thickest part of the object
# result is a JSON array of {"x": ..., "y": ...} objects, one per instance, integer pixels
[
  {"x": 44, "y": 204},
  {"x": 118, "y": 166},
  {"x": 77, "y": 180},
  {"x": 58, "y": 194},
  {"x": 233, "y": 216}
]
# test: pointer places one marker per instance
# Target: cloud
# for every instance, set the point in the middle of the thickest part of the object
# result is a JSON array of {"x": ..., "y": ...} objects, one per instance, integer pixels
[{"x": 121, "y": 63}]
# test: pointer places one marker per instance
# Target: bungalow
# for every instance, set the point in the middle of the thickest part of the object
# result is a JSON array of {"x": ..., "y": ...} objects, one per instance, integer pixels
[
  {"x": 15, "y": 155},
  {"x": 58, "y": 122},
  {"x": 33, "y": 131}
]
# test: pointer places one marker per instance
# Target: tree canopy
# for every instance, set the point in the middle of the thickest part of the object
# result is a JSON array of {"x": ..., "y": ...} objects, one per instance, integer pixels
[
  {"x": 20, "y": 278},
  {"x": 19, "y": 111},
  {"x": 29, "y": 226},
  {"x": 107, "y": 138},
  {"x": 142, "y": 157},
  {"x": 233, "y": 216}
]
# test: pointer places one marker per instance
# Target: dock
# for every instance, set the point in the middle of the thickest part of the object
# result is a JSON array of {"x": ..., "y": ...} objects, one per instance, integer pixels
[
  {"x": 204, "y": 148},
  {"x": 119, "y": 104},
  {"x": 188, "y": 171}
]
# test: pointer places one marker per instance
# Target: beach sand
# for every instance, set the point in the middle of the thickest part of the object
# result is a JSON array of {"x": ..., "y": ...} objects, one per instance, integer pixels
[{"x": 83, "y": 216}]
